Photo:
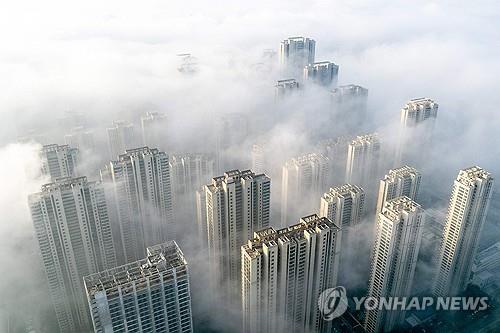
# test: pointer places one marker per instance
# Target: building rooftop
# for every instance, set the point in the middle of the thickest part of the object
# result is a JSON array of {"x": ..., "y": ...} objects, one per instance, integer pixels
[
  {"x": 401, "y": 172},
  {"x": 396, "y": 206},
  {"x": 271, "y": 236},
  {"x": 350, "y": 89},
  {"x": 56, "y": 147},
  {"x": 306, "y": 159},
  {"x": 470, "y": 175},
  {"x": 342, "y": 191},
  {"x": 365, "y": 139},
  {"x": 232, "y": 176},
  {"x": 165, "y": 258}
]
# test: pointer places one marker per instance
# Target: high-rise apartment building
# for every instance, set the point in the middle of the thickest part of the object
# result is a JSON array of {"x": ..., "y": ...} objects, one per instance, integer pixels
[
  {"x": 259, "y": 158},
  {"x": 149, "y": 295},
  {"x": 237, "y": 204},
  {"x": 469, "y": 203},
  {"x": 324, "y": 73},
  {"x": 302, "y": 183},
  {"x": 59, "y": 161},
  {"x": 363, "y": 159},
  {"x": 296, "y": 53},
  {"x": 80, "y": 138},
  {"x": 344, "y": 205},
  {"x": 417, "y": 122},
  {"x": 336, "y": 151},
  {"x": 121, "y": 136},
  {"x": 142, "y": 193},
  {"x": 394, "y": 259},
  {"x": 283, "y": 274},
  {"x": 154, "y": 130},
  {"x": 403, "y": 181},
  {"x": 73, "y": 230},
  {"x": 190, "y": 171},
  {"x": 349, "y": 105},
  {"x": 231, "y": 133}
]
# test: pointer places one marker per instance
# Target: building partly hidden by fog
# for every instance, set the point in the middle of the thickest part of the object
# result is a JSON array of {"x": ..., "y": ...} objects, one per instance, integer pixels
[
  {"x": 236, "y": 205},
  {"x": 121, "y": 136},
  {"x": 324, "y": 73},
  {"x": 417, "y": 122},
  {"x": 72, "y": 227},
  {"x": 349, "y": 106},
  {"x": 295, "y": 54},
  {"x": 302, "y": 183},
  {"x": 394, "y": 259},
  {"x": 467, "y": 209},
  {"x": 363, "y": 158},
  {"x": 403, "y": 181},
  {"x": 344, "y": 206},
  {"x": 284, "y": 88},
  {"x": 143, "y": 199},
  {"x": 59, "y": 161},
  {"x": 149, "y": 295},
  {"x": 154, "y": 130},
  {"x": 283, "y": 273}
]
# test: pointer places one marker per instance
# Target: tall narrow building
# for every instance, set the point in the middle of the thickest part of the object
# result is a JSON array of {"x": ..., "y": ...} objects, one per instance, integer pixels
[
  {"x": 335, "y": 150},
  {"x": 121, "y": 136},
  {"x": 237, "y": 205},
  {"x": 417, "y": 122},
  {"x": 59, "y": 161},
  {"x": 469, "y": 203},
  {"x": 363, "y": 159},
  {"x": 154, "y": 130},
  {"x": 403, "y": 181},
  {"x": 349, "y": 106},
  {"x": 259, "y": 160},
  {"x": 73, "y": 230},
  {"x": 231, "y": 133},
  {"x": 296, "y": 53},
  {"x": 394, "y": 259},
  {"x": 149, "y": 295},
  {"x": 283, "y": 274},
  {"x": 302, "y": 183},
  {"x": 324, "y": 73},
  {"x": 142, "y": 193},
  {"x": 190, "y": 171},
  {"x": 344, "y": 205},
  {"x": 80, "y": 138}
]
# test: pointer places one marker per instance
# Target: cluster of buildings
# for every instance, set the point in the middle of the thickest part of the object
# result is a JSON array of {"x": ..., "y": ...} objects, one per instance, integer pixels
[{"x": 109, "y": 247}]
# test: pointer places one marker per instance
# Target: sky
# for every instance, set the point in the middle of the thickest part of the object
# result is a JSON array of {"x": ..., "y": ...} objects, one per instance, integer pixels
[{"x": 115, "y": 59}]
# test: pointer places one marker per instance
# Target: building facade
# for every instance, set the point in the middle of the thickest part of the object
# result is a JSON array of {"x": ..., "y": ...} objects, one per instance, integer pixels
[
  {"x": 283, "y": 274},
  {"x": 363, "y": 158},
  {"x": 72, "y": 227},
  {"x": 465, "y": 218},
  {"x": 403, "y": 181},
  {"x": 59, "y": 161},
  {"x": 237, "y": 204},
  {"x": 296, "y": 53},
  {"x": 324, "y": 73},
  {"x": 143, "y": 198},
  {"x": 121, "y": 136},
  {"x": 302, "y": 183},
  {"x": 150, "y": 295},
  {"x": 394, "y": 259}
]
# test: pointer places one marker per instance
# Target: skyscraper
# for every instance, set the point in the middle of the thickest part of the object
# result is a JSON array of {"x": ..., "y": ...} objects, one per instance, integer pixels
[
  {"x": 121, "y": 136},
  {"x": 394, "y": 258},
  {"x": 469, "y": 203},
  {"x": 70, "y": 218},
  {"x": 363, "y": 158},
  {"x": 343, "y": 205},
  {"x": 418, "y": 117},
  {"x": 302, "y": 183},
  {"x": 324, "y": 73},
  {"x": 296, "y": 53},
  {"x": 258, "y": 158},
  {"x": 142, "y": 193},
  {"x": 190, "y": 171},
  {"x": 349, "y": 103},
  {"x": 149, "y": 295},
  {"x": 284, "y": 272},
  {"x": 154, "y": 130},
  {"x": 59, "y": 161},
  {"x": 336, "y": 151},
  {"x": 403, "y": 181},
  {"x": 237, "y": 204}
]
